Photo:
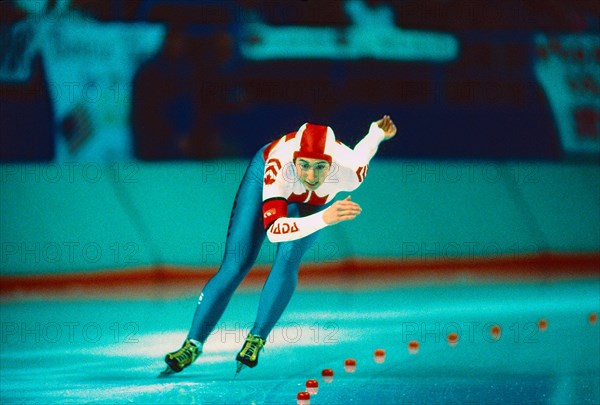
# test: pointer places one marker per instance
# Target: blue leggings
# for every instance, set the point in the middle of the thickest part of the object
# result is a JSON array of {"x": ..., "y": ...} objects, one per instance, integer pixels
[{"x": 244, "y": 240}]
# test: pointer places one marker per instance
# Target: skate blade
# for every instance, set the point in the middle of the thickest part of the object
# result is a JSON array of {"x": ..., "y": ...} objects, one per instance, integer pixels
[
  {"x": 240, "y": 366},
  {"x": 166, "y": 372}
]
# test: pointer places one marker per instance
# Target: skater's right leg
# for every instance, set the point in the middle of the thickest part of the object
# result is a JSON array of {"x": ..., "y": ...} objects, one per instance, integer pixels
[
  {"x": 244, "y": 240},
  {"x": 245, "y": 236}
]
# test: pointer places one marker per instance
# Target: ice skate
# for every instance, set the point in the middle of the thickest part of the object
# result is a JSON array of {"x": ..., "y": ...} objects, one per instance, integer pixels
[
  {"x": 180, "y": 359},
  {"x": 248, "y": 356}
]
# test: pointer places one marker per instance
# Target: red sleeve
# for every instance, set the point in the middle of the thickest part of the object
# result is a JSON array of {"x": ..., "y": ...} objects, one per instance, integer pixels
[{"x": 273, "y": 209}]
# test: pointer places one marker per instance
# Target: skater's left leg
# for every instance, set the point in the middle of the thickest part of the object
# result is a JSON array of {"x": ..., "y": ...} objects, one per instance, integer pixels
[
  {"x": 275, "y": 296},
  {"x": 280, "y": 284}
]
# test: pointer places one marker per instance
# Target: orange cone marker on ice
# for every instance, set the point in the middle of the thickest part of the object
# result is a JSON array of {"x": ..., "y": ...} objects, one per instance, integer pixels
[
  {"x": 452, "y": 339},
  {"x": 496, "y": 332},
  {"x": 327, "y": 375},
  {"x": 303, "y": 398},
  {"x": 350, "y": 365},
  {"x": 312, "y": 387}
]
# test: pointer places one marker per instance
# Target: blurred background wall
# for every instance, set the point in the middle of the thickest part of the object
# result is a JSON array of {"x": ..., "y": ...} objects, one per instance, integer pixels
[{"x": 126, "y": 125}]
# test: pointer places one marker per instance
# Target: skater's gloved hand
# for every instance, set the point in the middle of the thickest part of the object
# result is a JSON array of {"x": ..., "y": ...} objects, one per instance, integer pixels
[
  {"x": 388, "y": 126},
  {"x": 342, "y": 210}
]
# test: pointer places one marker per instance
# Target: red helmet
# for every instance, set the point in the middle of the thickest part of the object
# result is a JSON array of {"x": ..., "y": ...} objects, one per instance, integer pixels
[{"x": 316, "y": 142}]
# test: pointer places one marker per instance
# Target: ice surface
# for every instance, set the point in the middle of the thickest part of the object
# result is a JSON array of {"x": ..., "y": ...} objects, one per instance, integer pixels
[{"x": 96, "y": 351}]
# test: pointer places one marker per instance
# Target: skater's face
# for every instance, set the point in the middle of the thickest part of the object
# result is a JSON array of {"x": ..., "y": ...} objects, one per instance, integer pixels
[{"x": 312, "y": 172}]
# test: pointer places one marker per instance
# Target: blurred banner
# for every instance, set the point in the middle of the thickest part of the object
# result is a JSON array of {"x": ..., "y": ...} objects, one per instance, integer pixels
[
  {"x": 568, "y": 67},
  {"x": 84, "y": 80},
  {"x": 87, "y": 71},
  {"x": 371, "y": 34}
]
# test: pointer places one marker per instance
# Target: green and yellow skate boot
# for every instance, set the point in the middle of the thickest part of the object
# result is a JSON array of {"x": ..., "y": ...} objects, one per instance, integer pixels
[
  {"x": 248, "y": 356},
  {"x": 180, "y": 359}
]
